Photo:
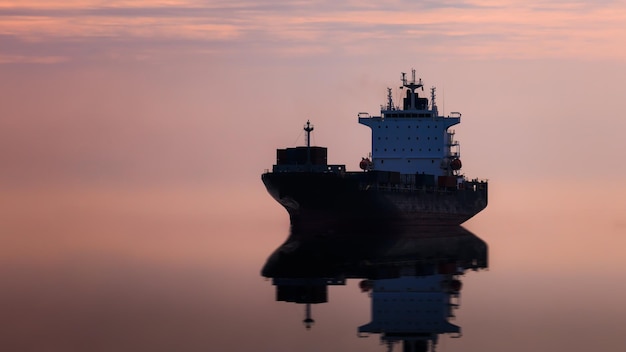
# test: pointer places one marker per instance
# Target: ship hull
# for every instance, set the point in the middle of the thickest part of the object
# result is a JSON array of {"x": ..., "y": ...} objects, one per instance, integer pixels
[{"x": 321, "y": 199}]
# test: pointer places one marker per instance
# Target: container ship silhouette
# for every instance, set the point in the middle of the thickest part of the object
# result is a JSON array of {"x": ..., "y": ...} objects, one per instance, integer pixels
[{"x": 412, "y": 176}]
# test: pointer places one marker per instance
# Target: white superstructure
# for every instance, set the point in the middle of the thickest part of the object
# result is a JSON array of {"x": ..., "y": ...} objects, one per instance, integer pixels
[{"x": 414, "y": 139}]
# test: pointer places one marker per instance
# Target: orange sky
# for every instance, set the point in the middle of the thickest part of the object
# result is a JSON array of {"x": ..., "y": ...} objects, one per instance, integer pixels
[
  {"x": 170, "y": 95},
  {"x": 476, "y": 29},
  {"x": 483, "y": 29},
  {"x": 518, "y": 71},
  {"x": 187, "y": 94}
]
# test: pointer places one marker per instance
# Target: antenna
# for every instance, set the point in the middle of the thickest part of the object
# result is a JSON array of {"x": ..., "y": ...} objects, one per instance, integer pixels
[{"x": 432, "y": 100}]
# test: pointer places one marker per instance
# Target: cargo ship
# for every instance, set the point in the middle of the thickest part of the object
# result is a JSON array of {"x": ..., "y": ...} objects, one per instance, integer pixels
[{"x": 412, "y": 174}]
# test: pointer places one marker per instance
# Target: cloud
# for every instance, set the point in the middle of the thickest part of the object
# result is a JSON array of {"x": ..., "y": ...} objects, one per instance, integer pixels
[
  {"x": 7, "y": 59},
  {"x": 474, "y": 28}
]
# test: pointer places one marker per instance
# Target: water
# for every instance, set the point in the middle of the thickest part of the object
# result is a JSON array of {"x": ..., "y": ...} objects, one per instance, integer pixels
[
  {"x": 412, "y": 277},
  {"x": 190, "y": 269}
]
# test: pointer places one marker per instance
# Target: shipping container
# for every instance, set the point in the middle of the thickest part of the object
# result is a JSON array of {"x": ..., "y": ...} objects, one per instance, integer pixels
[
  {"x": 300, "y": 156},
  {"x": 424, "y": 180},
  {"x": 446, "y": 181}
]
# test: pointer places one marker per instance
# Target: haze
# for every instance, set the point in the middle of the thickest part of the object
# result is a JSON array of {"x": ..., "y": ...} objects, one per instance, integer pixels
[{"x": 136, "y": 131}]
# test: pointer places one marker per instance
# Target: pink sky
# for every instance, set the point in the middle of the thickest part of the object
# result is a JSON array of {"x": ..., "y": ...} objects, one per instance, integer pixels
[
  {"x": 120, "y": 118},
  {"x": 192, "y": 91},
  {"x": 137, "y": 97},
  {"x": 181, "y": 94}
]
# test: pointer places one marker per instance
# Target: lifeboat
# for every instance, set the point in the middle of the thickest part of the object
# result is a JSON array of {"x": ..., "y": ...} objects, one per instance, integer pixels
[
  {"x": 365, "y": 164},
  {"x": 455, "y": 164}
]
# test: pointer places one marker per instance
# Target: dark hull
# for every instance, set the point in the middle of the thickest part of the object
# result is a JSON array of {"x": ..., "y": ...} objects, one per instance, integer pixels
[
  {"x": 352, "y": 253},
  {"x": 317, "y": 199}
]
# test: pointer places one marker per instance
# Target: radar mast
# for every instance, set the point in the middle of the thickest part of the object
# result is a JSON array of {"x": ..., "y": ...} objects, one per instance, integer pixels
[{"x": 411, "y": 86}]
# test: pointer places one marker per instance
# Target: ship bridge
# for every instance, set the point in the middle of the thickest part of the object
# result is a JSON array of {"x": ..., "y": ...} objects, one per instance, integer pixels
[{"x": 414, "y": 138}]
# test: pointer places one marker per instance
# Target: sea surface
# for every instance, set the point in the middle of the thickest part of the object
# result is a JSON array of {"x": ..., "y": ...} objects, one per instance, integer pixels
[{"x": 202, "y": 269}]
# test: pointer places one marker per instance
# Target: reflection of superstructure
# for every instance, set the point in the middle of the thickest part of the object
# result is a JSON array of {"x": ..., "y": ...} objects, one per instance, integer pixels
[
  {"x": 413, "y": 310},
  {"x": 412, "y": 274},
  {"x": 414, "y": 174}
]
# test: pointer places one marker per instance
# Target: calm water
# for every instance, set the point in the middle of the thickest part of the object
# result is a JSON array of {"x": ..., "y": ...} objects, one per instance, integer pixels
[{"x": 196, "y": 270}]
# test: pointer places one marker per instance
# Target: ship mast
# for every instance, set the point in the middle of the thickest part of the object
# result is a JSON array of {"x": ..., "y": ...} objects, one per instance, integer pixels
[
  {"x": 389, "y": 100},
  {"x": 308, "y": 128},
  {"x": 411, "y": 86},
  {"x": 308, "y": 321},
  {"x": 432, "y": 101}
]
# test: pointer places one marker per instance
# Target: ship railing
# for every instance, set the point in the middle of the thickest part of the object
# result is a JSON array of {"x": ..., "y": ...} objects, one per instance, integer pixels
[
  {"x": 399, "y": 187},
  {"x": 474, "y": 185},
  {"x": 403, "y": 188},
  {"x": 477, "y": 180},
  {"x": 336, "y": 169}
]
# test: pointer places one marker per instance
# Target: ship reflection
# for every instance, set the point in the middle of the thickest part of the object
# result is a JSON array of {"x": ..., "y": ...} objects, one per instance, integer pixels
[{"x": 411, "y": 274}]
